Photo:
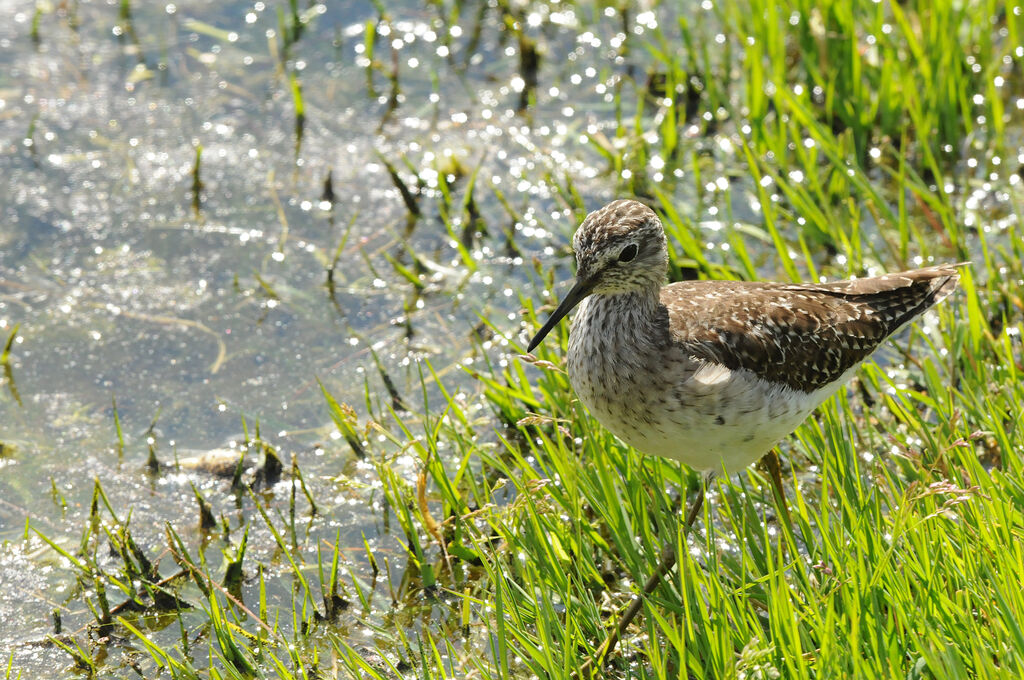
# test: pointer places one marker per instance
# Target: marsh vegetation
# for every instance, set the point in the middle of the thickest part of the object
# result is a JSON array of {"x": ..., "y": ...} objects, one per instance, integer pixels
[{"x": 267, "y": 271}]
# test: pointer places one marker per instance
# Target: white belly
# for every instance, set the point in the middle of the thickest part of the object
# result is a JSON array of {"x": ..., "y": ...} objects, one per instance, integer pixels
[{"x": 729, "y": 422}]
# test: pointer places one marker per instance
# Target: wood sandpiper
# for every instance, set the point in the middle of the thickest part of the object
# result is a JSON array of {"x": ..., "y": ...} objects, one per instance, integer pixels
[{"x": 714, "y": 373}]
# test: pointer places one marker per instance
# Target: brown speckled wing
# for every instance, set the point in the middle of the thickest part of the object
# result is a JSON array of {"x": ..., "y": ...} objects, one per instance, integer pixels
[{"x": 802, "y": 335}]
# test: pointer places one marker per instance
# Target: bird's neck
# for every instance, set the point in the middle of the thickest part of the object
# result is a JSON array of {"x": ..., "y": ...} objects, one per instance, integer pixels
[
  {"x": 615, "y": 335},
  {"x": 637, "y": 301},
  {"x": 638, "y": 312}
]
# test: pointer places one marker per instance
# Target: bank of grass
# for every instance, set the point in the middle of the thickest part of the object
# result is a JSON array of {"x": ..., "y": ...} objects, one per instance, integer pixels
[
  {"x": 902, "y": 560},
  {"x": 865, "y": 128},
  {"x": 530, "y": 525}
]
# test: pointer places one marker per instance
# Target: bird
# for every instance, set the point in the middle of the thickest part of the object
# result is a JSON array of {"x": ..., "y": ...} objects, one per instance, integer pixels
[{"x": 713, "y": 373}]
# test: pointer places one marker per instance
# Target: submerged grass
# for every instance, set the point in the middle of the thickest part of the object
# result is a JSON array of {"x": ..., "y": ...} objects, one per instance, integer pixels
[{"x": 864, "y": 129}]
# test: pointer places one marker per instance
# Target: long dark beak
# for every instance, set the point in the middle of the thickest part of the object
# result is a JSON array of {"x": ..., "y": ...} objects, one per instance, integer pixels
[{"x": 580, "y": 290}]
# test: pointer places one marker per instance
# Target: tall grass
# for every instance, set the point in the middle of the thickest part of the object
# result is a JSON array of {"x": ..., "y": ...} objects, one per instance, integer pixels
[{"x": 856, "y": 123}]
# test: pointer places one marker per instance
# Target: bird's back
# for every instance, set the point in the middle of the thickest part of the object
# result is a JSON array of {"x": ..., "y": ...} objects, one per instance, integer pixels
[{"x": 805, "y": 336}]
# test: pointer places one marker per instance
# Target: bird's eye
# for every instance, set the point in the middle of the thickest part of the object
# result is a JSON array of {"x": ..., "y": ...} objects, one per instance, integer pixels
[{"x": 629, "y": 252}]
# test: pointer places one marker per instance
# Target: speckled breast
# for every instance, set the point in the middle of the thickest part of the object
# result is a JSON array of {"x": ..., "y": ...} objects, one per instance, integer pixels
[{"x": 664, "y": 402}]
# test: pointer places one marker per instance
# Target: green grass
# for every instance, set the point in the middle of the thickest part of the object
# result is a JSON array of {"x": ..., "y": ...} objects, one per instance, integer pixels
[
  {"x": 529, "y": 525},
  {"x": 904, "y": 557}
]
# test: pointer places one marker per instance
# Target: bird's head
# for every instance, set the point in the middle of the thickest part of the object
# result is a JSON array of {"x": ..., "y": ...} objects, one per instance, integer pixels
[{"x": 620, "y": 248}]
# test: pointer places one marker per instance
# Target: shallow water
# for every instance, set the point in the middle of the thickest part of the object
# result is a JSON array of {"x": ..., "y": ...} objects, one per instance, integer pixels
[
  {"x": 194, "y": 312},
  {"x": 165, "y": 237}
]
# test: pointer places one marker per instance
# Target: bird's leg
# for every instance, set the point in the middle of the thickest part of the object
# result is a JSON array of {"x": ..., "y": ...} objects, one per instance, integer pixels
[
  {"x": 771, "y": 461},
  {"x": 665, "y": 564}
]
